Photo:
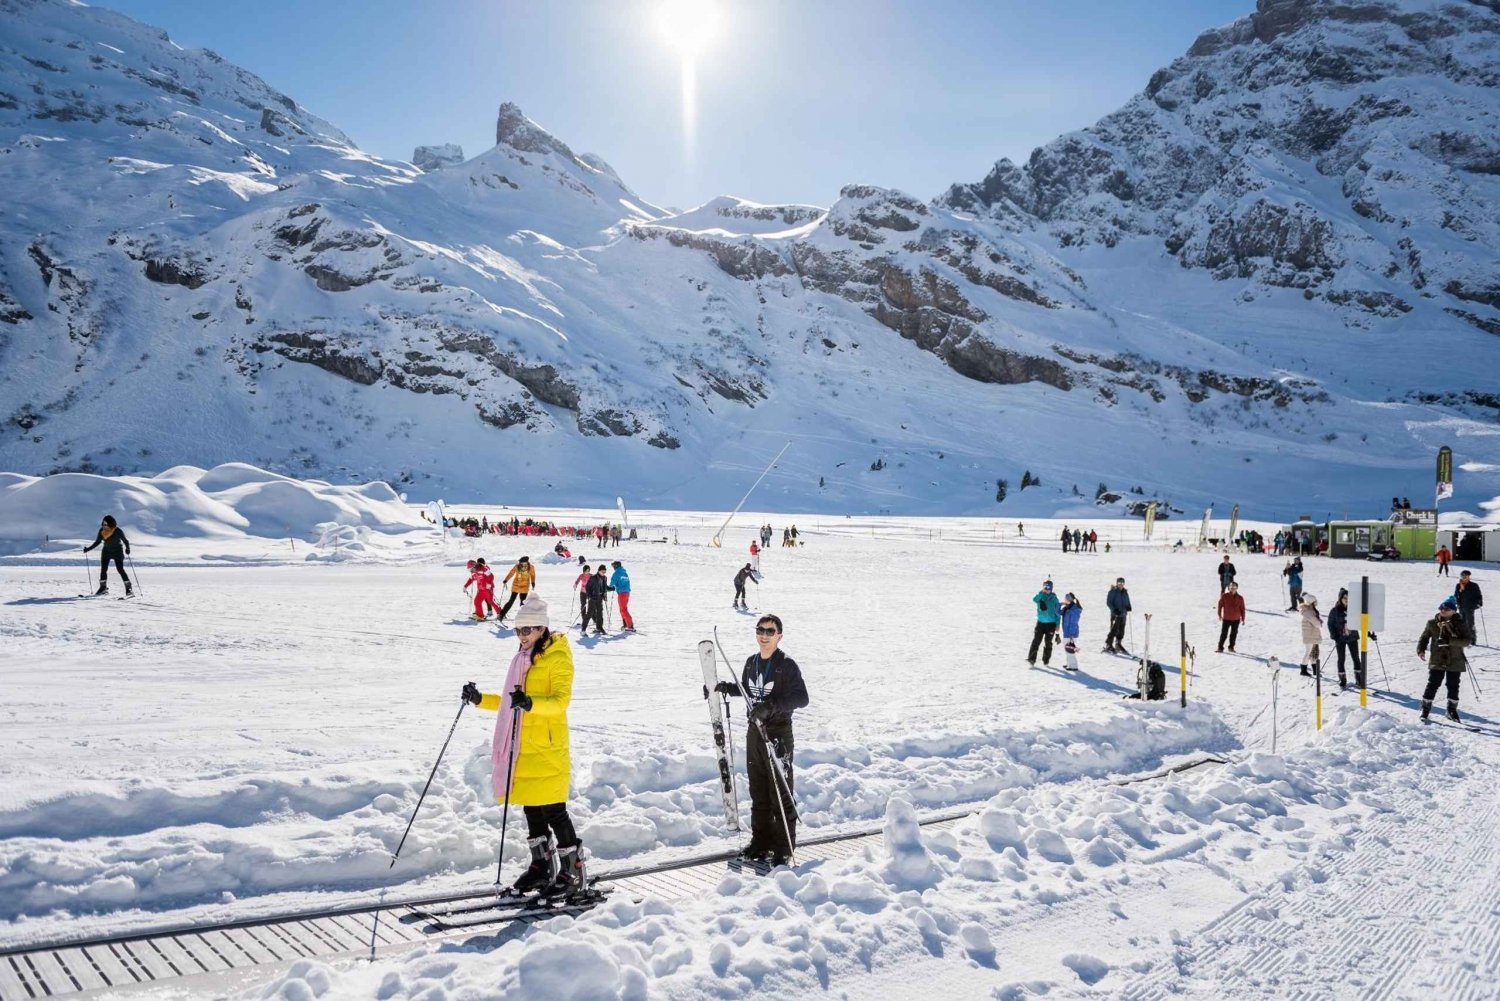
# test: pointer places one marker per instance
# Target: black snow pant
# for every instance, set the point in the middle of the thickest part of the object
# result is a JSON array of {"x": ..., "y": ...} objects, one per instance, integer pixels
[
  {"x": 1116, "y": 637},
  {"x": 1350, "y": 642},
  {"x": 1296, "y": 597},
  {"x": 119, "y": 559},
  {"x": 553, "y": 817},
  {"x": 1443, "y": 569},
  {"x": 1467, "y": 614},
  {"x": 1042, "y": 637},
  {"x": 1436, "y": 677},
  {"x": 593, "y": 609},
  {"x": 1229, "y": 629},
  {"x": 766, "y": 790},
  {"x": 739, "y": 593},
  {"x": 512, "y": 600}
]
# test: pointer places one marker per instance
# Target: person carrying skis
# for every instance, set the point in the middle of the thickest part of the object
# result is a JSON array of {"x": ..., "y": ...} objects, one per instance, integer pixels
[
  {"x": 1345, "y": 639},
  {"x": 1071, "y": 612},
  {"x": 1293, "y": 574},
  {"x": 594, "y": 593},
  {"x": 521, "y": 578},
  {"x": 1443, "y": 556},
  {"x": 116, "y": 548},
  {"x": 1447, "y": 636},
  {"x": 1226, "y": 574},
  {"x": 1231, "y": 614},
  {"x": 619, "y": 582},
  {"x": 1118, "y": 601},
  {"x": 1466, "y": 593},
  {"x": 1312, "y": 633},
  {"x": 772, "y": 686},
  {"x": 482, "y": 579},
  {"x": 746, "y": 572},
  {"x": 531, "y": 762},
  {"x": 1048, "y": 612}
]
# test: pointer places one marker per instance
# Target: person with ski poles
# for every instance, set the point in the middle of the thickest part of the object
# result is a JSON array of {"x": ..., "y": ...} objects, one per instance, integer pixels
[
  {"x": 1231, "y": 613},
  {"x": 115, "y": 547},
  {"x": 746, "y": 572},
  {"x": 1071, "y": 614},
  {"x": 482, "y": 578},
  {"x": 1447, "y": 636},
  {"x": 530, "y": 759},
  {"x": 594, "y": 593},
  {"x": 772, "y": 686},
  {"x": 1466, "y": 593},
  {"x": 1312, "y": 634},
  {"x": 1118, "y": 601},
  {"x": 619, "y": 582},
  {"x": 1048, "y": 612},
  {"x": 1226, "y": 574},
  {"x": 1345, "y": 639},
  {"x": 522, "y": 579}
]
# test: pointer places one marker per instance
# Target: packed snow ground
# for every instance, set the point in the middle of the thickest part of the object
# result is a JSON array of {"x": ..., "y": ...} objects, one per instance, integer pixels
[{"x": 251, "y": 734}]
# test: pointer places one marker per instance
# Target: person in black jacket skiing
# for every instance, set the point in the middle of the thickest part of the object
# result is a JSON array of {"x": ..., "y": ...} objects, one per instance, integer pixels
[
  {"x": 116, "y": 547},
  {"x": 1465, "y": 592},
  {"x": 1226, "y": 575},
  {"x": 771, "y": 684},
  {"x": 747, "y": 572}
]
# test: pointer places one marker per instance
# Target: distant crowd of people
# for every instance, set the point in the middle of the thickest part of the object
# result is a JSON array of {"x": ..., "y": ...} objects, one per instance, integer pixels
[{"x": 603, "y": 535}]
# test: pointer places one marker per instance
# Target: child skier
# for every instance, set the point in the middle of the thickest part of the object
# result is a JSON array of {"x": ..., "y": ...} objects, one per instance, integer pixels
[
  {"x": 482, "y": 579},
  {"x": 1072, "y": 612}
]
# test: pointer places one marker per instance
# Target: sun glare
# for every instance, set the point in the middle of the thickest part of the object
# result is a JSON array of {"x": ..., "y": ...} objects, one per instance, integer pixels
[{"x": 688, "y": 26}]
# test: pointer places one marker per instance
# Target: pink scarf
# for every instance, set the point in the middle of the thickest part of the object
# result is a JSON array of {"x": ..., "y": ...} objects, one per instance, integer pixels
[{"x": 500, "y": 747}]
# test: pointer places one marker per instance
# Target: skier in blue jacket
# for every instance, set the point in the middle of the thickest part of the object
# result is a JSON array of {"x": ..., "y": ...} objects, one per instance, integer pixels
[
  {"x": 1048, "y": 613},
  {"x": 619, "y": 582}
]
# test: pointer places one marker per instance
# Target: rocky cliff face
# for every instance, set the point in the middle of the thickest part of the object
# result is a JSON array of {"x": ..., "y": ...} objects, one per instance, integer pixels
[{"x": 1219, "y": 287}]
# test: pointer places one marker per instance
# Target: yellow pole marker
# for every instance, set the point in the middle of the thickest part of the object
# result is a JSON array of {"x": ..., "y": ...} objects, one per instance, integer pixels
[
  {"x": 1364, "y": 640},
  {"x": 1182, "y": 660}
]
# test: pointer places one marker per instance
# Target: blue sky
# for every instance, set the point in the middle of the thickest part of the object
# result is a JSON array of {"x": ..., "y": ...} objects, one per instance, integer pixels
[{"x": 794, "y": 99}]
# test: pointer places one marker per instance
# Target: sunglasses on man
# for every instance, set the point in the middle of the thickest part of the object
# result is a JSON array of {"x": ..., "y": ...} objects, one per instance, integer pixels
[{"x": 765, "y": 631}]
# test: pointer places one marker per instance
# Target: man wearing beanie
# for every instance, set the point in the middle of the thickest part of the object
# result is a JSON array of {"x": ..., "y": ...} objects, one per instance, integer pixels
[{"x": 1447, "y": 637}]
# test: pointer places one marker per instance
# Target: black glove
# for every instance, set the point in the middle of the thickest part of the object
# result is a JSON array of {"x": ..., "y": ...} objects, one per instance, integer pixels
[
  {"x": 471, "y": 694},
  {"x": 705, "y": 691},
  {"x": 520, "y": 700},
  {"x": 761, "y": 712},
  {"x": 727, "y": 688}
]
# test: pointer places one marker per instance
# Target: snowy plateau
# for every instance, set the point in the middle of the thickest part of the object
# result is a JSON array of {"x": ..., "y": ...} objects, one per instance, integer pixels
[
  {"x": 1271, "y": 278},
  {"x": 1271, "y": 275}
]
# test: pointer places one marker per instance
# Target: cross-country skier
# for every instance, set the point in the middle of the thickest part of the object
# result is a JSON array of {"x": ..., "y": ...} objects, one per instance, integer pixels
[
  {"x": 522, "y": 579},
  {"x": 1048, "y": 611},
  {"x": 482, "y": 579},
  {"x": 1231, "y": 614},
  {"x": 746, "y": 572},
  {"x": 1447, "y": 636},
  {"x": 1344, "y": 639},
  {"x": 619, "y": 582},
  {"x": 1226, "y": 574},
  {"x": 1293, "y": 574},
  {"x": 1118, "y": 601},
  {"x": 1465, "y": 592},
  {"x": 772, "y": 686},
  {"x": 1312, "y": 634},
  {"x": 539, "y": 683},
  {"x": 116, "y": 548},
  {"x": 594, "y": 592},
  {"x": 1071, "y": 613}
]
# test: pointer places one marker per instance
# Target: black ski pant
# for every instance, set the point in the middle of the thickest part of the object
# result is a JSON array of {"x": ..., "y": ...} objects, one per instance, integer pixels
[
  {"x": 1436, "y": 677},
  {"x": 1443, "y": 569},
  {"x": 739, "y": 593},
  {"x": 1042, "y": 637},
  {"x": 1350, "y": 642},
  {"x": 768, "y": 798},
  {"x": 1116, "y": 635},
  {"x": 1229, "y": 629},
  {"x": 593, "y": 610},
  {"x": 1467, "y": 614},
  {"x": 119, "y": 559},
  {"x": 1296, "y": 597},
  {"x": 523, "y": 595},
  {"x": 553, "y": 817}
]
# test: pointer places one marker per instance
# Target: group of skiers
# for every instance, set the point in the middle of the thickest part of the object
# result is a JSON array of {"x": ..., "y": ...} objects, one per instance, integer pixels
[{"x": 1079, "y": 541}]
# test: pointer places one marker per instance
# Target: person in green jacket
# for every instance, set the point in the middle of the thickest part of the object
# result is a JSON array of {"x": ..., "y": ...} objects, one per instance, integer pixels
[
  {"x": 116, "y": 547},
  {"x": 1048, "y": 613}
]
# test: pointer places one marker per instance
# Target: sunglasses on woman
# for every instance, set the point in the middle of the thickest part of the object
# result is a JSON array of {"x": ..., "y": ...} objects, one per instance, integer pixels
[{"x": 528, "y": 630}]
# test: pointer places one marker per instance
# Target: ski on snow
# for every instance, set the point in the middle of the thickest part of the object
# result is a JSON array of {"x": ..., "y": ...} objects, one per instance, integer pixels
[
  {"x": 710, "y": 668},
  {"x": 504, "y": 907}
]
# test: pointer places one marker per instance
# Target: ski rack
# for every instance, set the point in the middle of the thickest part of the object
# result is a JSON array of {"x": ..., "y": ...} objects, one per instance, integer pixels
[{"x": 216, "y": 958}]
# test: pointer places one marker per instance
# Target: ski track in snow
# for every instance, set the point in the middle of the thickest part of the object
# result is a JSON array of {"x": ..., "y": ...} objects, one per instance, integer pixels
[{"x": 252, "y": 736}]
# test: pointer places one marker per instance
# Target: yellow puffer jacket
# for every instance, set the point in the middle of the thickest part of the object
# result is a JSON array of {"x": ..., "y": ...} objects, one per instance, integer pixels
[
  {"x": 543, "y": 762},
  {"x": 520, "y": 578}
]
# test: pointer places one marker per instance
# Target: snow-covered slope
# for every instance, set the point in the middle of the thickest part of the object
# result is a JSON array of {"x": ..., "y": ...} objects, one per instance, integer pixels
[{"x": 1204, "y": 296}]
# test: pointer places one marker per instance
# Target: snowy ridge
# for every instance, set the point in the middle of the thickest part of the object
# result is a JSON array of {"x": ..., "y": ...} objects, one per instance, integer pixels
[{"x": 1238, "y": 262}]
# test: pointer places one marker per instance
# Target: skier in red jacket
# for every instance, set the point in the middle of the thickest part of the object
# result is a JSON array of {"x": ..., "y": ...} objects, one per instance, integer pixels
[{"x": 483, "y": 578}]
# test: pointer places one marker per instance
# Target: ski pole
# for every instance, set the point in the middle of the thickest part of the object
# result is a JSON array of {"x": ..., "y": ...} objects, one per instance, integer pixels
[
  {"x": 397, "y": 853},
  {"x": 87, "y": 573},
  {"x": 510, "y": 773},
  {"x": 135, "y": 573},
  {"x": 1383, "y": 671}
]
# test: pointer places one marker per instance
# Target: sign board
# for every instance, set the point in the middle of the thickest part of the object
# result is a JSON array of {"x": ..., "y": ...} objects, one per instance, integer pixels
[
  {"x": 1377, "y": 607},
  {"x": 1416, "y": 516}
]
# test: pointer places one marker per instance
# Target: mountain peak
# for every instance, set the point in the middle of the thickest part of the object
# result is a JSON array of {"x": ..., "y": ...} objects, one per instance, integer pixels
[{"x": 514, "y": 129}]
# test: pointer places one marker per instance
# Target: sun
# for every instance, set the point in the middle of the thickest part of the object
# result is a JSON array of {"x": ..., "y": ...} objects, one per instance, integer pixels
[{"x": 688, "y": 26}]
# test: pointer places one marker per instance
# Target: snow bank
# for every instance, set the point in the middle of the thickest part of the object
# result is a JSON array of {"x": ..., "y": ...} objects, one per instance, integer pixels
[{"x": 234, "y": 500}]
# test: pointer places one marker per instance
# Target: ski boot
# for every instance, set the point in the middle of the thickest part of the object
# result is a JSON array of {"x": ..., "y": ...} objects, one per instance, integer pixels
[
  {"x": 1426, "y": 708},
  {"x": 1302, "y": 670},
  {"x": 755, "y": 852},
  {"x": 103, "y": 588},
  {"x": 572, "y": 880},
  {"x": 129, "y": 590},
  {"x": 538, "y": 875},
  {"x": 1453, "y": 711},
  {"x": 477, "y": 617}
]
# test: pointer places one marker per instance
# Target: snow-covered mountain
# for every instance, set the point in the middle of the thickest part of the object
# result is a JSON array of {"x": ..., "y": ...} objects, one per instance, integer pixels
[{"x": 1272, "y": 275}]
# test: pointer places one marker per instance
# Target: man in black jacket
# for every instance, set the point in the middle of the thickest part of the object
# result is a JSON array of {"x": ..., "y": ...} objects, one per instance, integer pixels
[
  {"x": 1466, "y": 593},
  {"x": 1226, "y": 575},
  {"x": 772, "y": 686},
  {"x": 747, "y": 572},
  {"x": 594, "y": 593},
  {"x": 116, "y": 547},
  {"x": 1345, "y": 639}
]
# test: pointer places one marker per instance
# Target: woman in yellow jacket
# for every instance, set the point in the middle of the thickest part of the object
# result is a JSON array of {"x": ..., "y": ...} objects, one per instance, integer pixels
[
  {"x": 533, "y": 772},
  {"x": 522, "y": 580}
]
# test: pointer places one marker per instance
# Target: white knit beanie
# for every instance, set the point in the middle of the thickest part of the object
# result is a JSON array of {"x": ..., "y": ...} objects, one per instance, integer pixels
[{"x": 533, "y": 613}]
